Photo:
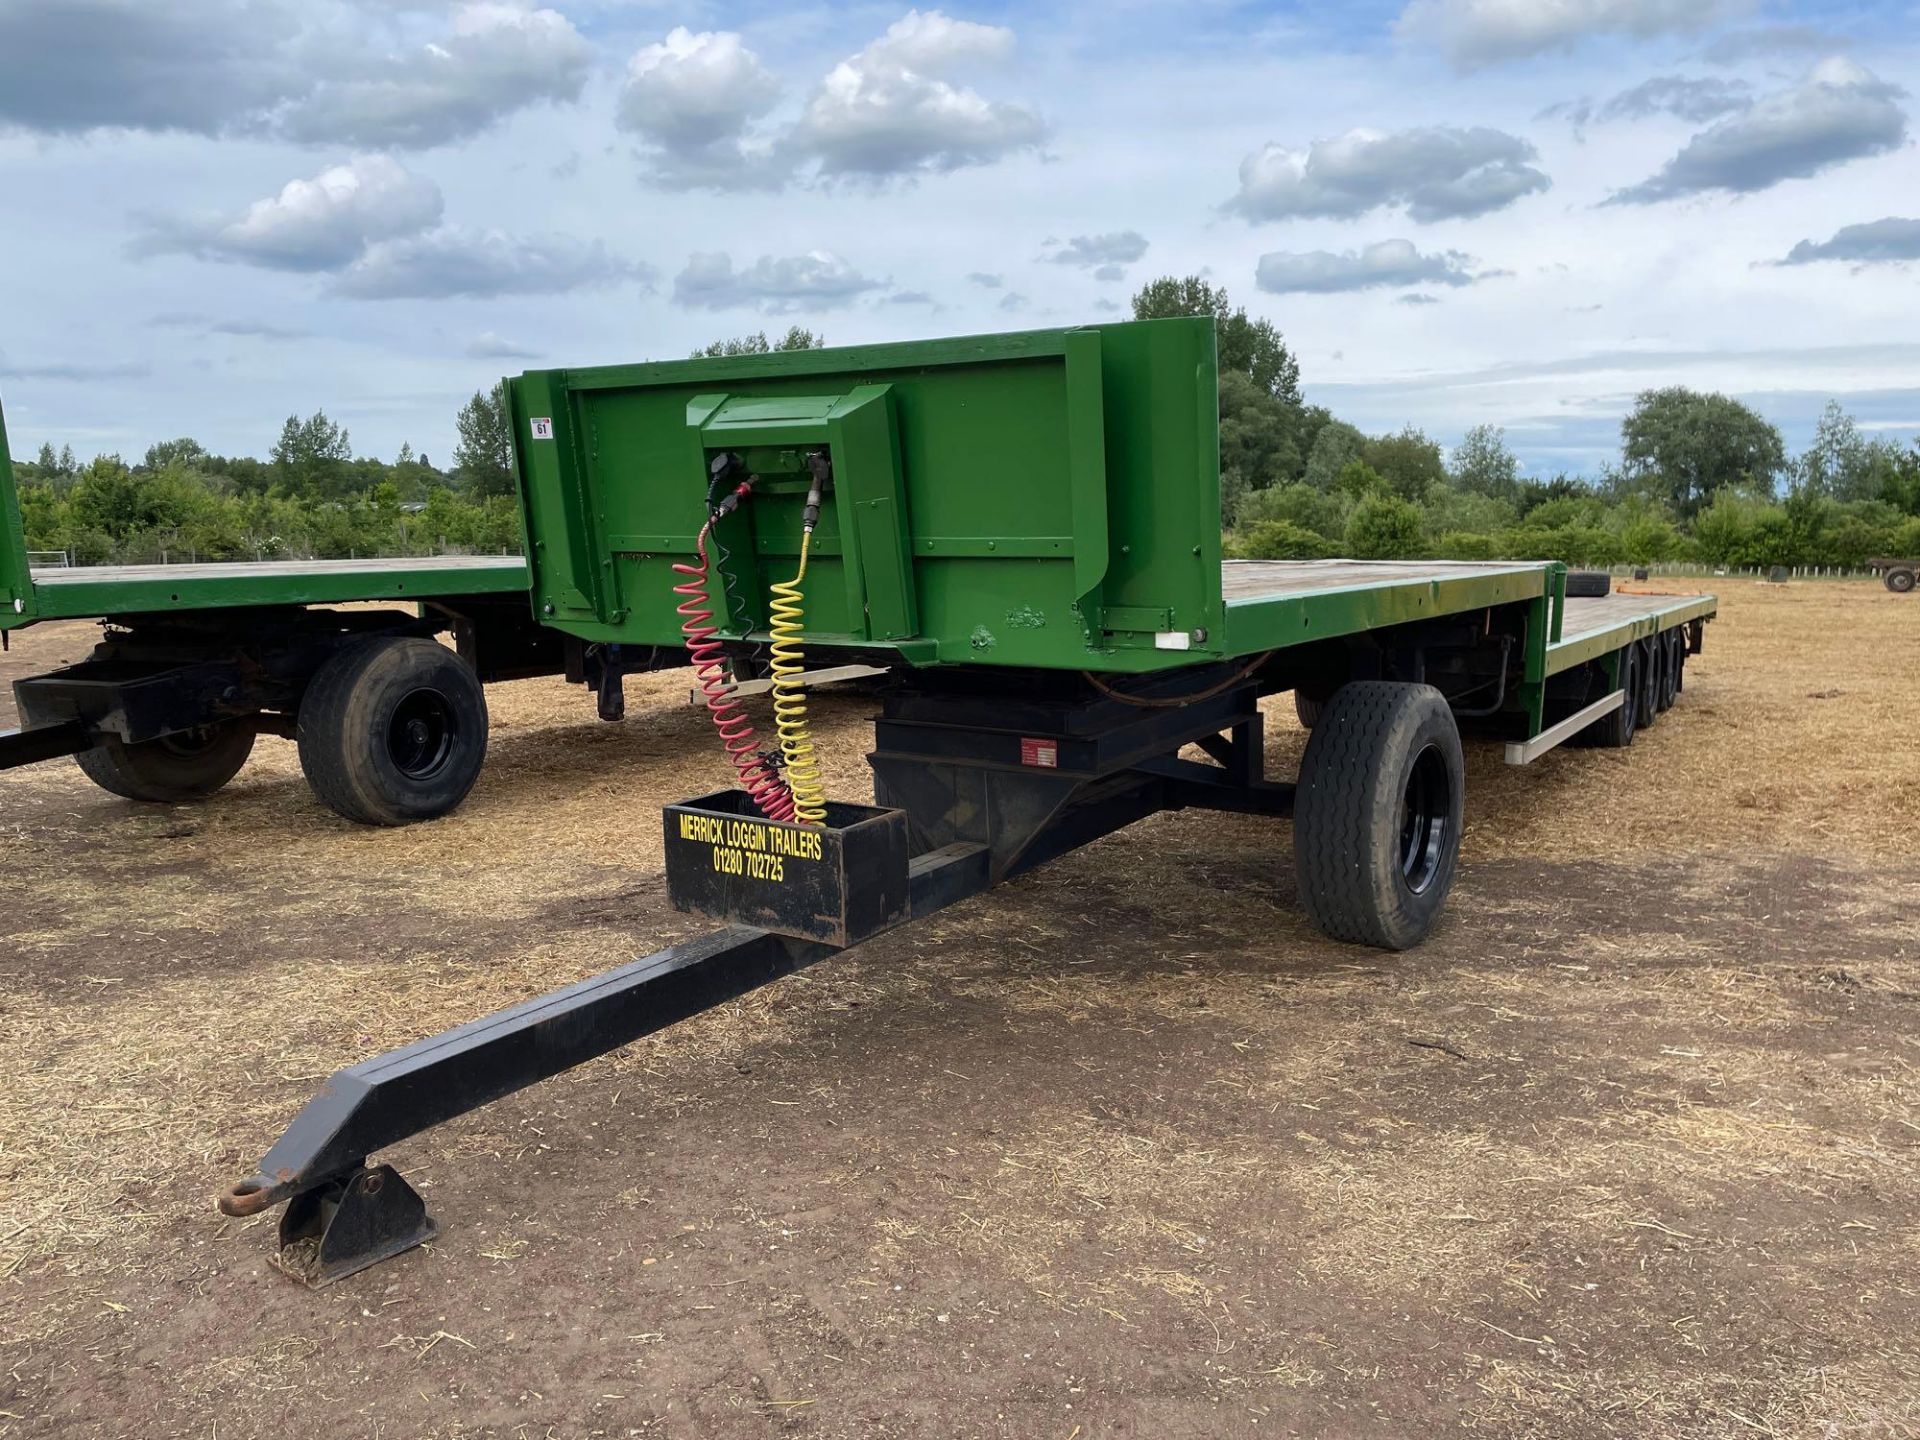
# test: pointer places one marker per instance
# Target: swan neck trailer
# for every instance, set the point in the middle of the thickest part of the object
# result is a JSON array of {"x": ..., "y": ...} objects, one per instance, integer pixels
[{"x": 1024, "y": 529}]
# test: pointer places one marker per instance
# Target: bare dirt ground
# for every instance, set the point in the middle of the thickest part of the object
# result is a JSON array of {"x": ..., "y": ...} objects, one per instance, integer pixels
[{"x": 1628, "y": 1148}]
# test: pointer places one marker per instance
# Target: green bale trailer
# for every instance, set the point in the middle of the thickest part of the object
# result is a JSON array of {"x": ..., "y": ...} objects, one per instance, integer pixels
[
  {"x": 1024, "y": 530},
  {"x": 197, "y": 660}
]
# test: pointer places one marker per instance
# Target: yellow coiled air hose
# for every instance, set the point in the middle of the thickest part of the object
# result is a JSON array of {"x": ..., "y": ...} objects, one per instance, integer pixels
[{"x": 785, "y": 616}]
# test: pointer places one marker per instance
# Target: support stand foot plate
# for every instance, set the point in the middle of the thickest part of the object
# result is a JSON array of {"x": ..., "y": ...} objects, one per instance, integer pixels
[{"x": 363, "y": 1217}]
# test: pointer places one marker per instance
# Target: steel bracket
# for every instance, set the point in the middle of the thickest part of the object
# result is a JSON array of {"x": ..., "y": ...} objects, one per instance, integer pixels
[{"x": 356, "y": 1220}]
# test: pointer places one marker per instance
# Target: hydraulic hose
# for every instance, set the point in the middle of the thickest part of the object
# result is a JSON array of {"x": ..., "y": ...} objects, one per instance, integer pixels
[
  {"x": 770, "y": 793},
  {"x": 785, "y": 625}
]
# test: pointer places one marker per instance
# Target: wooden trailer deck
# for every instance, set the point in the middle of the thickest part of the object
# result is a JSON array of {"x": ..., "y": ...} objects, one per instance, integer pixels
[
  {"x": 1281, "y": 602},
  {"x": 1593, "y": 626}
]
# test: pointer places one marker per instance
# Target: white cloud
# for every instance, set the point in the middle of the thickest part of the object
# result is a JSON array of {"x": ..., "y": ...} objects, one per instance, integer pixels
[
  {"x": 691, "y": 98},
  {"x": 1697, "y": 101},
  {"x": 893, "y": 110},
  {"x": 1384, "y": 263},
  {"x": 1770, "y": 42},
  {"x": 479, "y": 264},
  {"x": 1893, "y": 240},
  {"x": 1840, "y": 112},
  {"x": 71, "y": 66},
  {"x": 1437, "y": 173},
  {"x": 315, "y": 73},
  {"x": 1473, "y": 33},
  {"x": 817, "y": 280},
  {"x": 489, "y": 346},
  {"x": 1109, "y": 253},
  {"x": 496, "y": 58},
  {"x": 318, "y": 224}
]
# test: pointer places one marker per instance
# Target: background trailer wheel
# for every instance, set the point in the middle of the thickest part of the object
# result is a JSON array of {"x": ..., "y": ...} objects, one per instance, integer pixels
[
  {"x": 393, "y": 730},
  {"x": 188, "y": 766},
  {"x": 1378, "y": 812},
  {"x": 1307, "y": 708},
  {"x": 1900, "y": 581}
]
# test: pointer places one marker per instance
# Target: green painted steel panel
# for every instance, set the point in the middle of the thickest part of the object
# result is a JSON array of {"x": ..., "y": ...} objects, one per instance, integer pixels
[
  {"x": 1003, "y": 499},
  {"x": 16, "y": 580},
  {"x": 87, "y": 593},
  {"x": 1272, "y": 622}
]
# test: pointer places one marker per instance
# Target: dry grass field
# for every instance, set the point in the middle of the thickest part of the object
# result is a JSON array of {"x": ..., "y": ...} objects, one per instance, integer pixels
[{"x": 1631, "y": 1147}]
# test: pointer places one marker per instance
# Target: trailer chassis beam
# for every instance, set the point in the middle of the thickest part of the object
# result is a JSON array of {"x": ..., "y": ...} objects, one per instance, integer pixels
[
  {"x": 34, "y": 743},
  {"x": 979, "y": 819},
  {"x": 343, "y": 1215}
]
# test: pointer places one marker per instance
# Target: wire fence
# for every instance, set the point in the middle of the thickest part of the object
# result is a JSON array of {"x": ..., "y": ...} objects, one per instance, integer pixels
[{"x": 1757, "y": 572}]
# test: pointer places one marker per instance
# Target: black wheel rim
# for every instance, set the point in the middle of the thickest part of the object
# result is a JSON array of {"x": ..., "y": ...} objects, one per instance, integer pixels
[
  {"x": 190, "y": 744},
  {"x": 421, "y": 734},
  {"x": 1426, "y": 814}
]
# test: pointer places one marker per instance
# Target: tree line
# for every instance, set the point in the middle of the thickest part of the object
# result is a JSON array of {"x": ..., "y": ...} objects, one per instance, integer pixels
[
  {"x": 312, "y": 497},
  {"x": 1699, "y": 477}
]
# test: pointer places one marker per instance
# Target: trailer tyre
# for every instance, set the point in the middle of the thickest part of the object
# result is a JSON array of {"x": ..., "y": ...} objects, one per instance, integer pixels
[
  {"x": 188, "y": 766},
  {"x": 393, "y": 730},
  {"x": 1673, "y": 649},
  {"x": 1900, "y": 581},
  {"x": 1653, "y": 656},
  {"x": 1589, "y": 584},
  {"x": 1307, "y": 709},
  {"x": 1378, "y": 813},
  {"x": 1616, "y": 730}
]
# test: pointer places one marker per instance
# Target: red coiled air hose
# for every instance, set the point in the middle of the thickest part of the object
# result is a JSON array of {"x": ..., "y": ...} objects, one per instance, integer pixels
[{"x": 769, "y": 791}]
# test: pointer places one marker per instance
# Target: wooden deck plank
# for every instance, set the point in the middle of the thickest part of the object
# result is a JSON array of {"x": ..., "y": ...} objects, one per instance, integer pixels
[{"x": 1243, "y": 580}]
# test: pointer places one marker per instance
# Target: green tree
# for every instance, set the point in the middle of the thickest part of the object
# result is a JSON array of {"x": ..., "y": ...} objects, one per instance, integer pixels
[
  {"x": 1279, "y": 540},
  {"x": 798, "y": 337},
  {"x": 310, "y": 457},
  {"x": 1840, "y": 463},
  {"x": 1257, "y": 443},
  {"x": 1446, "y": 510},
  {"x": 1323, "y": 512},
  {"x": 1481, "y": 464},
  {"x": 483, "y": 457},
  {"x": 1358, "y": 479},
  {"x": 183, "y": 451},
  {"x": 1408, "y": 461},
  {"x": 1384, "y": 527},
  {"x": 1255, "y": 348},
  {"x": 1337, "y": 446},
  {"x": 1696, "y": 444}
]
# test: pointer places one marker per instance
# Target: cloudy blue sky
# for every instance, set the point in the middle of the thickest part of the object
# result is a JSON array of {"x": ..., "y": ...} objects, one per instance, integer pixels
[{"x": 1515, "y": 212}]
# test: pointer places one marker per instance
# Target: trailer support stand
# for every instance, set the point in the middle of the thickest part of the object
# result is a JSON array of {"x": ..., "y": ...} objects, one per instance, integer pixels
[{"x": 351, "y": 1222}]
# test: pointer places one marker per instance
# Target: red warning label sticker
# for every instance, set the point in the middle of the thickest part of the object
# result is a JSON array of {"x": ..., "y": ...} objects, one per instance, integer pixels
[{"x": 1044, "y": 753}]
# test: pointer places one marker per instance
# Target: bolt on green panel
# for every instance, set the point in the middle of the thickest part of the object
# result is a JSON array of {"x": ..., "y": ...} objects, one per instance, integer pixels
[{"x": 1025, "y": 499}]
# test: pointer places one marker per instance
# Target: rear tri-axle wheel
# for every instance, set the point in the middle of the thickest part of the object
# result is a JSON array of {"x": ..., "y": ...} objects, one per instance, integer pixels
[{"x": 1378, "y": 813}]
